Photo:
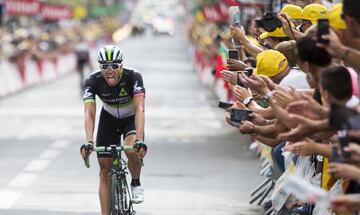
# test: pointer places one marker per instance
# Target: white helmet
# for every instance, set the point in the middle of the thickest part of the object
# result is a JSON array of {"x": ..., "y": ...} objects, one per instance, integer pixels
[{"x": 110, "y": 54}]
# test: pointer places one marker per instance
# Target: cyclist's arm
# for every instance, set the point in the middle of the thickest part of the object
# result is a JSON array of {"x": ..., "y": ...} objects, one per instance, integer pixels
[
  {"x": 90, "y": 112},
  {"x": 89, "y": 108},
  {"x": 139, "y": 106},
  {"x": 139, "y": 109}
]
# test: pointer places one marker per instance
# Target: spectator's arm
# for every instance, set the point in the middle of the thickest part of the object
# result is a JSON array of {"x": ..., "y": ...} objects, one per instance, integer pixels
[
  {"x": 267, "y": 140},
  {"x": 239, "y": 34},
  {"x": 309, "y": 147},
  {"x": 338, "y": 50},
  {"x": 346, "y": 203},
  {"x": 346, "y": 171}
]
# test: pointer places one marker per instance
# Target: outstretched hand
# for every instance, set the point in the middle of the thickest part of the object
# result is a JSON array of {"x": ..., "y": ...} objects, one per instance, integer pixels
[
  {"x": 308, "y": 107},
  {"x": 306, "y": 147},
  {"x": 304, "y": 128},
  {"x": 229, "y": 76},
  {"x": 334, "y": 47},
  {"x": 236, "y": 65},
  {"x": 349, "y": 203},
  {"x": 255, "y": 83},
  {"x": 282, "y": 97},
  {"x": 238, "y": 33}
]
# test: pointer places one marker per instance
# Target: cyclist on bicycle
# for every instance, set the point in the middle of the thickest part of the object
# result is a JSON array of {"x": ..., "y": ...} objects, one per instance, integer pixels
[{"x": 123, "y": 96}]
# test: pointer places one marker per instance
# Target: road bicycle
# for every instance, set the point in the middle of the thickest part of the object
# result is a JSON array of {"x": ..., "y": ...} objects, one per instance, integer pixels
[{"x": 120, "y": 196}]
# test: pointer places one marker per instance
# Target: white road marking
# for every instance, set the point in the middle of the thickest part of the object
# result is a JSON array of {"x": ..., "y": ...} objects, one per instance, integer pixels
[
  {"x": 37, "y": 165},
  {"x": 8, "y": 198},
  {"x": 23, "y": 180},
  {"x": 49, "y": 154}
]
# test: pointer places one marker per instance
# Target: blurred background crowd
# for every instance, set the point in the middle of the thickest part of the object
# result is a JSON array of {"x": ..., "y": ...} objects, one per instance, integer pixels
[
  {"x": 286, "y": 73},
  {"x": 36, "y": 32}
]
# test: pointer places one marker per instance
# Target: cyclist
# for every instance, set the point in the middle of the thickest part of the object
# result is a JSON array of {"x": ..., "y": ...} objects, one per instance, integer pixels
[{"x": 123, "y": 96}]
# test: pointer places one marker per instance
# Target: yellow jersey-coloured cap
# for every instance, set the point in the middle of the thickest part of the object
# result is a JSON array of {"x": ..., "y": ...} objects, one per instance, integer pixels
[
  {"x": 292, "y": 10},
  {"x": 334, "y": 16},
  {"x": 313, "y": 12},
  {"x": 270, "y": 63},
  {"x": 278, "y": 32}
]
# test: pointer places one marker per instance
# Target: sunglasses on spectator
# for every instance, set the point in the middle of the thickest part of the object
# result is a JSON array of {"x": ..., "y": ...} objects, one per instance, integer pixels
[{"x": 111, "y": 65}]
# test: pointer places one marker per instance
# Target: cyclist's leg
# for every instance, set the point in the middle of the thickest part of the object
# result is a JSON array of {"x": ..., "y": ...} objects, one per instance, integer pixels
[
  {"x": 104, "y": 186},
  {"x": 129, "y": 140},
  {"x": 133, "y": 162},
  {"x": 133, "y": 159},
  {"x": 106, "y": 136}
]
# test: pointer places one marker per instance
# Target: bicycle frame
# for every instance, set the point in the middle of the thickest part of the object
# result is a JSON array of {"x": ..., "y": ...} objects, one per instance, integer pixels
[{"x": 120, "y": 191}]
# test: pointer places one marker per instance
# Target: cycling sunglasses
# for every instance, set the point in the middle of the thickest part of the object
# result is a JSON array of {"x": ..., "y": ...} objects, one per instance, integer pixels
[{"x": 110, "y": 65}]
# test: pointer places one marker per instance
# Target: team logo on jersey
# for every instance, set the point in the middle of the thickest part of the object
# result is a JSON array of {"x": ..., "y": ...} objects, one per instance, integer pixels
[
  {"x": 87, "y": 93},
  {"x": 137, "y": 88},
  {"x": 123, "y": 92}
]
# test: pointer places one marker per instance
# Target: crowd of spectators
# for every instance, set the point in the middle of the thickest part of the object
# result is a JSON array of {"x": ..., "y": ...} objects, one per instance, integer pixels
[
  {"x": 46, "y": 40},
  {"x": 294, "y": 91}
]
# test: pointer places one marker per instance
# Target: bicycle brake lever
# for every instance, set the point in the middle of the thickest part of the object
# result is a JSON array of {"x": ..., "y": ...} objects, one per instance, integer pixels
[
  {"x": 141, "y": 161},
  {"x": 86, "y": 161}
]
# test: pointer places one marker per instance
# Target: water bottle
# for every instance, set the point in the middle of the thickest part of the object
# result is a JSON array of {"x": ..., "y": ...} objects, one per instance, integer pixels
[{"x": 235, "y": 20}]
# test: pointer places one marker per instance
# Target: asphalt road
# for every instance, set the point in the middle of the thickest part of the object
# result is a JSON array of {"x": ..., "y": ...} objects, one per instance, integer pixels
[{"x": 196, "y": 163}]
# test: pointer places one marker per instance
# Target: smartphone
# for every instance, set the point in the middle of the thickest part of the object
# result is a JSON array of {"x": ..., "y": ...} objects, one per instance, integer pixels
[
  {"x": 238, "y": 80},
  {"x": 238, "y": 115},
  {"x": 335, "y": 156},
  {"x": 233, "y": 54},
  {"x": 322, "y": 29},
  {"x": 344, "y": 142},
  {"x": 224, "y": 105}
]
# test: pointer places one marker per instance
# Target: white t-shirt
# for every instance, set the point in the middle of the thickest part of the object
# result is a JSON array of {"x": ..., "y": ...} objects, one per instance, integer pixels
[{"x": 296, "y": 79}]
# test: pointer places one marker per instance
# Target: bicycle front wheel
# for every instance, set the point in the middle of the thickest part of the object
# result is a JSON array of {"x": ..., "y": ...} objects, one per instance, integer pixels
[{"x": 120, "y": 203}]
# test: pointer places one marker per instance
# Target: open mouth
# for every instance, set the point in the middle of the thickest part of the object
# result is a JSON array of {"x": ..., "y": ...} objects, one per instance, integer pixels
[{"x": 111, "y": 79}]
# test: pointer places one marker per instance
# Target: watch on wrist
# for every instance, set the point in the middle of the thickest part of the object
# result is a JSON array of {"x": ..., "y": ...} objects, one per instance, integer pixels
[{"x": 248, "y": 100}]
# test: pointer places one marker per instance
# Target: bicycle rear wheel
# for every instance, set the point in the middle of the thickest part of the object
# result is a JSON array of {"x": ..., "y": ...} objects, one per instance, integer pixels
[{"x": 120, "y": 202}]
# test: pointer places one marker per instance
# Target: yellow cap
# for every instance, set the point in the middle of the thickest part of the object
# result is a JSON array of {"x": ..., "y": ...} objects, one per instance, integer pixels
[
  {"x": 292, "y": 10},
  {"x": 253, "y": 41},
  {"x": 334, "y": 16},
  {"x": 278, "y": 32},
  {"x": 270, "y": 63},
  {"x": 313, "y": 12}
]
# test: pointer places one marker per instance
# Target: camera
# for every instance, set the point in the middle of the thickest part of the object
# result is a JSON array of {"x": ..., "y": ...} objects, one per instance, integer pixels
[{"x": 269, "y": 22}]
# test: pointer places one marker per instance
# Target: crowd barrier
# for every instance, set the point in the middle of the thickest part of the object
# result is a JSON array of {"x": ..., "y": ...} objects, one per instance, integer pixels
[
  {"x": 205, "y": 72},
  {"x": 26, "y": 72}
]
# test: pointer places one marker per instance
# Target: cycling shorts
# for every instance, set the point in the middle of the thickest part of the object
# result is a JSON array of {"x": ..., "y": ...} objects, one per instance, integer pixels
[{"x": 110, "y": 129}]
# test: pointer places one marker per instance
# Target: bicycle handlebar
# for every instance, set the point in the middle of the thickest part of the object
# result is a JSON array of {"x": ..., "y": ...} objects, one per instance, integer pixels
[{"x": 109, "y": 149}]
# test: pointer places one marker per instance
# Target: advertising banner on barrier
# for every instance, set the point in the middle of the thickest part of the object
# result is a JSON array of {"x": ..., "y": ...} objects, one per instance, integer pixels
[
  {"x": 22, "y": 7},
  {"x": 55, "y": 12},
  {"x": 216, "y": 13},
  {"x": 244, "y": 3}
]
